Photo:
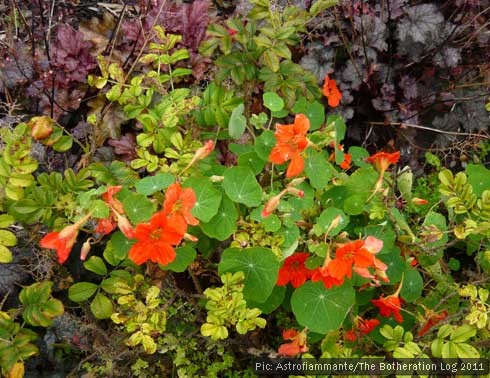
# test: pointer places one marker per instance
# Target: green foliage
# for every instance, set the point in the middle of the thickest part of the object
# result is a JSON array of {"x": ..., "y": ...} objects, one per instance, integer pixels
[
  {"x": 227, "y": 307},
  {"x": 456, "y": 346},
  {"x": 400, "y": 343},
  {"x": 7, "y": 238},
  {"x": 38, "y": 309}
]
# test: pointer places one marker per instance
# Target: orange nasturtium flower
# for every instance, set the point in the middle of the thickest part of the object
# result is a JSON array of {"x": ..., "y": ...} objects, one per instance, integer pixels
[
  {"x": 383, "y": 160},
  {"x": 294, "y": 270},
  {"x": 331, "y": 92},
  {"x": 297, "y": 344},
  {"x": 389, "y": 305},
  {"x": 179, "y": 202},
  {"x": 156, "y": 239},
  {"x": 63, "y": 240},
  {"x": 291, "y": 142}
]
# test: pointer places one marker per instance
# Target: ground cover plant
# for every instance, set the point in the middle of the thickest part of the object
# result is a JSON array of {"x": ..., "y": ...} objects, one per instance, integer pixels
[{"x": 185, "y": 187}]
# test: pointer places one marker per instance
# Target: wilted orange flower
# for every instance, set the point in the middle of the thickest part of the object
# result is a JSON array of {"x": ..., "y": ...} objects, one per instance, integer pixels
[
  {"x": 297, "y": 344},
  {"x": 331, "y": 92},
  {"x": 388, "y": 306},
  {"x": 291, "y": 142},
  {"x": 294, "y": 270},
  {"x": 419, "y": 201},
  {"x": 125, "y": 227},
  {"x": 383, "y": 160},
  {"x": 271, "y": 205},
  {"x": 433, "y": 319},
  {"x": 179, "y": 202},
  {"x": 106, "y": 226},
  {"x": 63, "y": 240},
  {"x": 362, "y": 326},
  {"x": 155, "y": 240},
  {"x": 113, "y": 202}
]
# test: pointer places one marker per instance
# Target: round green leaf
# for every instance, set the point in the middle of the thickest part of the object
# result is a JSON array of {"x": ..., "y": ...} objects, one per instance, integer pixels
[
  {"x": 223, "y": 224},
  {"x": 412, "y": 285},
  {"x": 320, "y": 309},
  {"x": 316, "y": 114},
  {"x": 273, "y": 302},
  {"x": 326, "y": 218},
  {"x": 63, "y": 144},
  {"x": 272, "y": 101},
  {"x": 185, "y": 256},
  {"x": 264, "y": 144},
  {"x": 479, "y": 178},
  {"x": 260, "y": 267},
  {"x": 138, "y": 207},
  {"x": 121, "y": 246},
  {"x": 354, "y": 205},
  {"x": 208, "y": 198},
  {"x": 96, "y": 264},
  {"x": 153, "y": 184},
  {"x": 241, "y": 186},
  {"x": 7, "y": 238},
  {"x": 317, "y": 169},
  {"x": 237, "y": 122},
  {"x": 81, "y": 291},
  {"x": 101, "y": 307}
]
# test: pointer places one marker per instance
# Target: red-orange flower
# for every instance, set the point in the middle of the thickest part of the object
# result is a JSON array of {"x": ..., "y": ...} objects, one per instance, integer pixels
[
  {"x": 179, "y": 202},
  {"x": 291, "y": 142},
  {"x": 62, "y": 241},
  {"x": 155, "y": 240},
  {"x": 433, "y": 319},
  {"x": 294, "y": 270},
  {"x": 388, "y": 306},
  {"x": 323, "y": 274},
  {"x": 331, "y": 92},
  {"x": 113, "y": 202},
  {"x": 347, "y": 161},
  {"x": 297, "y": 344},
  {"x": 383, "y": 160},
  {"x": 106, "y": 226},
  {"x": 347, "y": 256},
  {"x": 366, "y": 326},
  {"x": 350, "y": 335}
]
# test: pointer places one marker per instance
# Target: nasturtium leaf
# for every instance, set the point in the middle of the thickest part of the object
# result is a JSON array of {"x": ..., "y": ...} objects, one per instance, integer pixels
[
  {"x": 96, "y": 264},
  {"x": 101, "y": 307},
  {"x": 359, "y": 156},
  {"x": 322, "y": 310},
  {"x": 264, "y": 144},
  {"x": 280, "y": 114},
  {"x": 153, "y": 184},
  {"x": 138, "y": 208},
  {"x": 354, "y": 205},
  {"x": 412, "y": 285},
  {"x": 237, "y": 122},
  {"x": 383, "y": 232},
  {"x": 223, "y": 224},
  {"x": 339, "y": 127},
  {"x": 316, "y": 114},
  {"x": 81, "y": 291},
  {"x": 208, "y": 198},
  {"x": 362, "y": 181},
  {"x": 395, "y": 263},
  {"x": 99, "y": 208},
  {"x": 241, "y": 186},
  {"x": 251, "y": 160},
  {"x": 185, "y": 256},
  {"x": 260, "y": 266},
  {"x": 5, "y": 255},
  {"x": 324, "y": 221},
  {"x": 273, "y": 301},
  {"x": 478, "y": 178},
  {"x": 272, "y": 101},
  {"x": 290, "y": 235},
  {"x": 317, "y": 169},
  {"x": 121, "y": 245}
]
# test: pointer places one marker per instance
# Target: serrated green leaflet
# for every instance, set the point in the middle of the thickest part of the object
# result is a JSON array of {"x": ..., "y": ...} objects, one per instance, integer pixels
[
  {"x": 260, "y": 266},
  {"x": 241, "y": 186},
  {"x": 320, "y": 309}
]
